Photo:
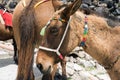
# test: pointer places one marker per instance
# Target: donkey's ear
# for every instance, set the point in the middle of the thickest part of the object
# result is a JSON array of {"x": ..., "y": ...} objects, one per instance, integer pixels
[
  {"x": 57, "y": 4},
  {"x": 71, "y": 9}
]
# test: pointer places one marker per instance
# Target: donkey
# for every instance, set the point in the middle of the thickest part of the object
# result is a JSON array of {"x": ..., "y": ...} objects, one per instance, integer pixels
[
  {"x": 6, "y": 34},
  {"x": 28, "y": 19},
  {"x": 43, "y": 64},
  {"x": 66, "y": 31},
  {"x": 6, "y": 31}
]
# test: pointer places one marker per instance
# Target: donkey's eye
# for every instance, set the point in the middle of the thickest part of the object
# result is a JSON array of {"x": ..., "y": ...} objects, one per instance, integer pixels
[{"x": 54, "y": 30}]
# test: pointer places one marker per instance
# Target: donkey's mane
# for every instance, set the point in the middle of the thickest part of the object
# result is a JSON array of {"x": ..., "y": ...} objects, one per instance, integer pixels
[{"x": 94, "y": 19}]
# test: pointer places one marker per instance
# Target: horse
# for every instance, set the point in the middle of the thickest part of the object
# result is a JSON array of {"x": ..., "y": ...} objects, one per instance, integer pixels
[
  {"x": 29, "y": 17},
  {"x": 65, "y": 31}
]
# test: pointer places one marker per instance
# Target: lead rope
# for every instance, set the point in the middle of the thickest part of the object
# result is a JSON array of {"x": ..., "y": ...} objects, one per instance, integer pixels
[{"x": 57, "y": 50}]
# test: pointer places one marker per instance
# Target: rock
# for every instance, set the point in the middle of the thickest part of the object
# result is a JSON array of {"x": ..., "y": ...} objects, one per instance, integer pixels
[
  {"x": 9, "y": 71},
  {"x": 88, "y": 57},
  {"x": 81, "y": 62},
  {"x": 70, "y": 64},
  {"x": 70, "y": 71},
  {"x": 103, "y": 76},
  {"x": 86, "y": 76},
  {"x": 88, "y": 64},
  {"x": 77, "y": 67},
  {"x": 82, "y": 67},
  {"x": 93, "y": 62},
  {"x": 81, "y": 54},
  {"x": 75, "y": 77},
  {"x": 72, "y": 59}
]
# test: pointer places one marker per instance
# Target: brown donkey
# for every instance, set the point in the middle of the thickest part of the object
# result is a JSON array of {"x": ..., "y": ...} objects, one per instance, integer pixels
[
  {"x": 65, "y": 32},
  {"x": 46, "y": 61},
  {"x": 28, "y": 18},
  {"x": 6, "y": 33}
]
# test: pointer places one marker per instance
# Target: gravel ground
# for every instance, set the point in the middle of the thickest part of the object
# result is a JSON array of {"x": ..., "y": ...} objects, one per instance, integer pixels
[{"x": 82, "y": 67}]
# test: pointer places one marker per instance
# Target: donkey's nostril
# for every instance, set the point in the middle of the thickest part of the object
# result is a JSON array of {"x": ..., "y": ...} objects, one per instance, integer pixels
[{"x": 40, "y": 67}]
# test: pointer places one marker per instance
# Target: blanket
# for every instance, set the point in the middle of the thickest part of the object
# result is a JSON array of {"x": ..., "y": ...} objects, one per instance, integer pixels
[{"x": 7, "y": 17}]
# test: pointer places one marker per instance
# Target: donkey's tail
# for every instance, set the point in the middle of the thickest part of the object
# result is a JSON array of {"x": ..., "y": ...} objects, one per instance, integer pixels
[{"x": 25, "y": 60}]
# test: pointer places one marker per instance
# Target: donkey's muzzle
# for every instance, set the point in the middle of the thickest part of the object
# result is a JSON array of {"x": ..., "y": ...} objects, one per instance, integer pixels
[
  {"x": 46, "y": 71},
  {"x": 40, "y": 67}
]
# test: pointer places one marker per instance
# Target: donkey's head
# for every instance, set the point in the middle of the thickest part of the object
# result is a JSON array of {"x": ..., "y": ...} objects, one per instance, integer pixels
[{"x": 52, "y": 49}]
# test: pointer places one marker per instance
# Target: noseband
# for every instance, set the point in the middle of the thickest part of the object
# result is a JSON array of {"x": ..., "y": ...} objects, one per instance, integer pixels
[{"x": 58, "y": 48}]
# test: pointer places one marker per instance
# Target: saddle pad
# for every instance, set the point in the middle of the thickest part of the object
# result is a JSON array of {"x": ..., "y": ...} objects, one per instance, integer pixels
[{"x": 7, "y": 17}]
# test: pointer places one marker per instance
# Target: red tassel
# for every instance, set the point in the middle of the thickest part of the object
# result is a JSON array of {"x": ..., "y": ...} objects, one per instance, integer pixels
[
  {"x": 61, "y": 57},
  {"x": 84, "y": 39}
]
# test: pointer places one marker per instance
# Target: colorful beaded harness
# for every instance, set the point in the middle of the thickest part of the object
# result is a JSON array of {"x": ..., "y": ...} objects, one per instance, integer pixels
[{"x": 85, "y": 32}]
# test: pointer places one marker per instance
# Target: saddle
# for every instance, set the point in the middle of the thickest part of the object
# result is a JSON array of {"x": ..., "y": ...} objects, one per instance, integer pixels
[{"x": 6, "y": 18}]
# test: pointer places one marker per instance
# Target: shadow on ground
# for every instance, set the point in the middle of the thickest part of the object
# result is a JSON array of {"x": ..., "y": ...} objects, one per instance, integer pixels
[{"x": 6, "y": 62}]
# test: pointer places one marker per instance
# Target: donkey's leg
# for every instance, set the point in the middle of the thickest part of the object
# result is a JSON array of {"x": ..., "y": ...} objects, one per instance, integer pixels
[
  {"x": 57, "y": 76},
  {"x": 32, "y": 75},
  {"x": 47, "y": 77},
  {"x": 54, "y": 71},
  {"x": 51, "y": 75},
  {"x": 15, "y": 57},
  {"x": 63, "y": 64}
]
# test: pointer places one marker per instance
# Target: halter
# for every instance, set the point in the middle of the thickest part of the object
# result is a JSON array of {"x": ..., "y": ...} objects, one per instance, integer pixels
[
  {"x": 44, "y": 28},
  {"x": 58, "y": 48}
]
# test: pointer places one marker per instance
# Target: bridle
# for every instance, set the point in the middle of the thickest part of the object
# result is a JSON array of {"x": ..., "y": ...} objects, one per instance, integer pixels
[
  {"x": 44, "y": 28},
  {"x": 57, "y": 50},
  {"x": 63, "y": 37}
]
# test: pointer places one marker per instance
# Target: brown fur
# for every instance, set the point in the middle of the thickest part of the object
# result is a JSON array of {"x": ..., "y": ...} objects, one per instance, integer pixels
[
  {"x": 52, "y": 37},
  {"x": 5, "y": 33},
  {"x": 103, "y": 42},
  {"x": 27, "y": 24}
]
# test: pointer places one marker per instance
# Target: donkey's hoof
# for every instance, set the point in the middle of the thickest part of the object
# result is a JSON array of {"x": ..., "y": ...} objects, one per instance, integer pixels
[
  {"x": 16, "y": 60},
  {"x": 47, "y": 77},
  {"x": 60, "y": 77},
  {"x": 64, "y": 77}
]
